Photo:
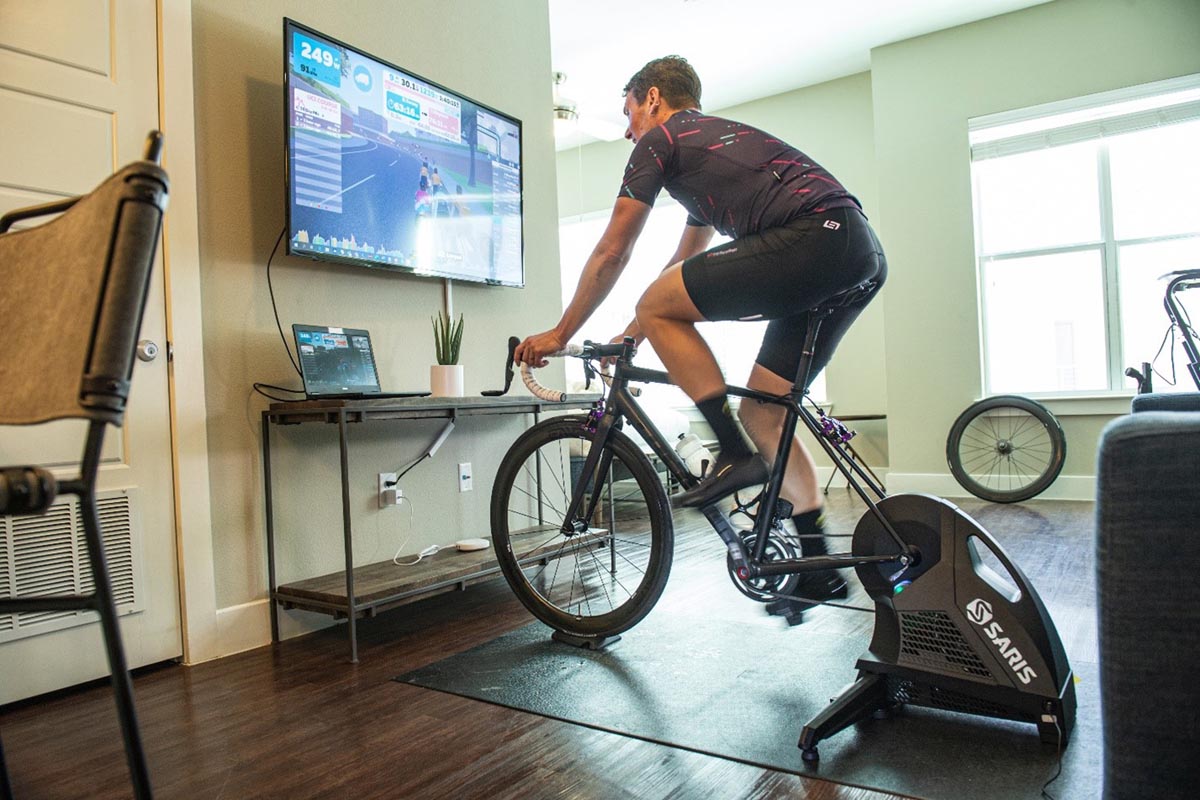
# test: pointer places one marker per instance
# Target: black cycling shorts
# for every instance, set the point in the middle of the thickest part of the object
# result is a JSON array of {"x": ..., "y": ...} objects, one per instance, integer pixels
[{"x": 783, "y": 273}]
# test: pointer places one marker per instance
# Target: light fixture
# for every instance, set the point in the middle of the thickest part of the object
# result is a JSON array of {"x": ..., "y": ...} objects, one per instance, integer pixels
[
  {"x": 565, "y": 114},
  {"x": 565, "y": 119}
]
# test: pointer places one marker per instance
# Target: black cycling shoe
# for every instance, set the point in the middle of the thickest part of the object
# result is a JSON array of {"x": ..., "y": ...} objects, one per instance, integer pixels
[
  {"x": 814, "y": 587},
  {"x": 823, "y": 585},
  {"x": 726, "y": 478}
]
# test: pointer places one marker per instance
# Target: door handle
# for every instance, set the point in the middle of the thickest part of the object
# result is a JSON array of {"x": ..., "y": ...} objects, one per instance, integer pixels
[{"x": 147, "y": 350}]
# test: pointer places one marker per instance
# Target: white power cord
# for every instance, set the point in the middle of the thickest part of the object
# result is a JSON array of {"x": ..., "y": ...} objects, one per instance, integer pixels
[
  {"x": 396, "y": 558},
  {"x": 432, "y": 549}
]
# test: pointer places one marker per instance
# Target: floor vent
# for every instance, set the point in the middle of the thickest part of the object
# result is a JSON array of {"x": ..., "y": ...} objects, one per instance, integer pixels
[{"x": 47, "y": 554}]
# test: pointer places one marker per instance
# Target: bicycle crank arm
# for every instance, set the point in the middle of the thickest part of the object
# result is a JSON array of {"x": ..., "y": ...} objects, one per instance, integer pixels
[{"x": 794, "y": 566}]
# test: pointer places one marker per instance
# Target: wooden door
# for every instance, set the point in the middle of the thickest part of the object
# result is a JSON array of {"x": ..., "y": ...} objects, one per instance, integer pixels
[{"x": 78, "y": 93}]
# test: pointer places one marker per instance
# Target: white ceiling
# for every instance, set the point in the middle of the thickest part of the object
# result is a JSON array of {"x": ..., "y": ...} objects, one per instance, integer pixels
[{"x": 742, "y": 49}]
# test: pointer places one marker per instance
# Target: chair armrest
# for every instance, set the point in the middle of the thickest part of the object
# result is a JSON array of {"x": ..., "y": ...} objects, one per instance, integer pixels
[
  {"x": 1166, "y": 401},
  {"x": 29, "y": 212}
]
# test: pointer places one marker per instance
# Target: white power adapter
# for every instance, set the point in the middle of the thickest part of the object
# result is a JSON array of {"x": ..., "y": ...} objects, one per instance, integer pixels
[{"x": 391, "y": 497}]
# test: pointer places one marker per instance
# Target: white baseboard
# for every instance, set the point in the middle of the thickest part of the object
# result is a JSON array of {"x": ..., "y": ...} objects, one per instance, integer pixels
[
  {"x": 247, "y": 626},
  {"x": 243, "y": 627},
  {"x": 1065, "y": 487}
]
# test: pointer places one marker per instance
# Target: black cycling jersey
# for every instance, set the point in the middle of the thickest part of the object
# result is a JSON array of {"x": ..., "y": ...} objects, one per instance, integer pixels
[{"x": 729, "y": 175}]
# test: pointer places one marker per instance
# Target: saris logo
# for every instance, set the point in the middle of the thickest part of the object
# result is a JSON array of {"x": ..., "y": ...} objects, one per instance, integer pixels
[{"x": 979, "y": 611}]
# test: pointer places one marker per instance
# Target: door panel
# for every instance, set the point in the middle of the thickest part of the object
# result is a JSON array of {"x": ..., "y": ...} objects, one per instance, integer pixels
[
  {"x": 77, "y": 37},
  {"x": 78, "y": 93}
]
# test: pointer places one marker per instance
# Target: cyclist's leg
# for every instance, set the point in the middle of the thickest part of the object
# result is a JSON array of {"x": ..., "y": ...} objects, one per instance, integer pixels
[
  {"x": 764, "y": 423},
  {"x": 668, "y": 317},
  {"x": 780, "y": 356}
]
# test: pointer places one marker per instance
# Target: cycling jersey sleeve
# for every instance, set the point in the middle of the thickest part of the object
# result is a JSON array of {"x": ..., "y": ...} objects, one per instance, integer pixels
[{"x": 646, "y": 172}]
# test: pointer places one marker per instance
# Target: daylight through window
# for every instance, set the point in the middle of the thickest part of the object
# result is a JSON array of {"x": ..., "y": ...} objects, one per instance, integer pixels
[{"x": 1080, "y": 207}]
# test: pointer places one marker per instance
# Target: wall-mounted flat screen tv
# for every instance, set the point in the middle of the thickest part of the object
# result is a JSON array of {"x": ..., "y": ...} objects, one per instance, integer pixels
[{"x": 388, "y": 169}]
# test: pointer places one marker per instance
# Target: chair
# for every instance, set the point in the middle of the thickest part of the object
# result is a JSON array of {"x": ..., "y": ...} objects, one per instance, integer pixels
[
  {"x": 1149, "y": 599},
  {"x": 76, "y": 287}
]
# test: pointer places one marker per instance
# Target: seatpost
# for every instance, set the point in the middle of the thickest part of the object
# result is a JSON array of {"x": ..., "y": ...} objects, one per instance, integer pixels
[
  {"x": 810, "y": 346},
  {"x": 786, "y": 435}
]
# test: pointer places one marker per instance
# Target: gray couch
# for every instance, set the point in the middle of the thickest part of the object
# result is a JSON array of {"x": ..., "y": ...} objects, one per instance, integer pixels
[{"x": 1148, "y": 582}]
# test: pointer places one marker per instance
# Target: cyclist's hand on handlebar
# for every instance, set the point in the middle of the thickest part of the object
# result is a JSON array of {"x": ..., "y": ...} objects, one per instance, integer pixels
[{"x": 534, "y": 349}]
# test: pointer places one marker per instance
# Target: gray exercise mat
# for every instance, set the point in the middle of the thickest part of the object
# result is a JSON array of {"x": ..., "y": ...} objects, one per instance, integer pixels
[{"x": 744, "y": 692}]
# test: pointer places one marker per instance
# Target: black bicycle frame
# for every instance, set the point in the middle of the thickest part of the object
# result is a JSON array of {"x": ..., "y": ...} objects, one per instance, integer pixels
[
  {"x": 621, "y": 405},
  {"x": 1188, "y": 280}
]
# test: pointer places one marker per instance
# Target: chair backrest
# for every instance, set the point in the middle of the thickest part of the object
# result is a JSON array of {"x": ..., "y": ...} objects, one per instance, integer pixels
[{"x": 72, "y": 294}]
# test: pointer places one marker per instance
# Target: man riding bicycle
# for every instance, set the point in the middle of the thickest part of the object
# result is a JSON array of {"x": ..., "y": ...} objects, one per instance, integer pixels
[{"x": 799, "y": 239}]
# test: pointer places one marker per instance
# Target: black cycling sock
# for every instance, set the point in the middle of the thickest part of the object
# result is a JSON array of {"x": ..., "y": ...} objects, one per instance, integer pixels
[
  {"x": 717, "y": 415},
  {"x": 810, "y": 526}
]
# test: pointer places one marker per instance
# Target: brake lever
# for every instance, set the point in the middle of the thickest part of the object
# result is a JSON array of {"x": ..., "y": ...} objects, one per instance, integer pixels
[{"x": 513, "y": 341}]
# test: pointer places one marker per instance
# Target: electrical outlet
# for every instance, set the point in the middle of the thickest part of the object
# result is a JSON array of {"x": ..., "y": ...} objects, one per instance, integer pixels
[
  {"x": 464, "y": 477},
  {"x": 385, "y": 497}
]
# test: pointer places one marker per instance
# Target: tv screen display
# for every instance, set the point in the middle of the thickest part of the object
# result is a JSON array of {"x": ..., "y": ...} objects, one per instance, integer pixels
[{"x": 387, "y": 169}]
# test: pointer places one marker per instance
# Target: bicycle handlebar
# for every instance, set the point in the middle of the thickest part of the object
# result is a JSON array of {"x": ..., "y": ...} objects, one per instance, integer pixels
[
  {"x": 589, "y": 350},
  {"x": 541, "y": 392}
]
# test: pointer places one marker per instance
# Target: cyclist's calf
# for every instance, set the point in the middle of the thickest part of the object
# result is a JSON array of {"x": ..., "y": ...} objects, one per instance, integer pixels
[{"x": 764, "y": 424}]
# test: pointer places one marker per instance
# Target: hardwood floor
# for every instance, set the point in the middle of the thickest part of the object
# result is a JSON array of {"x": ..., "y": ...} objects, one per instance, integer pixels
[{"x": 296, "y": 720}]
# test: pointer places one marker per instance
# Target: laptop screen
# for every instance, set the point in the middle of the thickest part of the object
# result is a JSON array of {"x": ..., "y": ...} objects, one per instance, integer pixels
[{"x": 336, "y": 360}]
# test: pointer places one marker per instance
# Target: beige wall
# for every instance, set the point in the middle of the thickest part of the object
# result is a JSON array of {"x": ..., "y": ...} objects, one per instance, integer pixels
[
  {"x": 897, "y": 136},
  {"x": 501, "y": 59},
  {"x": 925, "y": 90}
]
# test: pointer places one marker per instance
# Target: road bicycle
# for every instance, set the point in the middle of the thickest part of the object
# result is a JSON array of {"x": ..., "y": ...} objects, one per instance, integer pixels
[
  {"x": 583, "y": 531},
  {"x": 1177, "y": 282}
]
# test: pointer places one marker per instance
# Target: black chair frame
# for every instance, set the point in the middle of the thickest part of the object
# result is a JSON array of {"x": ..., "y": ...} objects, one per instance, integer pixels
[{"x": 136, "y": 199}]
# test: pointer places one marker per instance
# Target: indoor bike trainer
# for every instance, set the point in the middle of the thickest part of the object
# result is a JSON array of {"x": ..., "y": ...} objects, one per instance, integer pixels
[{"x": 958, "y": 626}]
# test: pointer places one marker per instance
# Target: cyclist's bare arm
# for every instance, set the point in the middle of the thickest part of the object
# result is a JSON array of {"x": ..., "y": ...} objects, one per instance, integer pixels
[
  {"x": 695, "y": 240},
  {"x": 604, "y": 266}
]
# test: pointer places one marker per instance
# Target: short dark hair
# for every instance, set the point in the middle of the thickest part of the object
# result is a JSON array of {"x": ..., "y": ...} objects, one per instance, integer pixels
[{"x": 677, "y": 82}]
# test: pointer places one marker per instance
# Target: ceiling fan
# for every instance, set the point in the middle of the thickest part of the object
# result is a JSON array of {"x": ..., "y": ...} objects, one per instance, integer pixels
[{"x": 568, "y": 120}]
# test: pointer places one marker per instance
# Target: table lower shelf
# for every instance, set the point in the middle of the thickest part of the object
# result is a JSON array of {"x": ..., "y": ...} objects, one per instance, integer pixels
[{"x": 386, "y": 585}]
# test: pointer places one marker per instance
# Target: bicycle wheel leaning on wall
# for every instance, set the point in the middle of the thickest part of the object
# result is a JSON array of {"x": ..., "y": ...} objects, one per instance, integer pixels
[{"x": 1006, "y": 449}]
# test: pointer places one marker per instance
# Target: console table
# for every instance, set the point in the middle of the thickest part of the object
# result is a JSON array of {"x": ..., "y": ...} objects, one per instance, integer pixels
[{"x": 354, "y": 593}]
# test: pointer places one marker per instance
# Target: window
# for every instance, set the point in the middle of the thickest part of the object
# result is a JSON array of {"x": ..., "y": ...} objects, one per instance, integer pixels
[
  {"x": 735, "y": 344},
  {"x": 1080, "y": 208}
]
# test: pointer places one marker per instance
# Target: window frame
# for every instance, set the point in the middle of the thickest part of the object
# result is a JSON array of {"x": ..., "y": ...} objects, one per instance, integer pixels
[{"x": 1071, "y": 122}]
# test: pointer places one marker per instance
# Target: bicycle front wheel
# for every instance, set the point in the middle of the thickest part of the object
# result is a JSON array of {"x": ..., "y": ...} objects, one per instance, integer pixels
[
  {"x": 1006, "y": 449},
  {"x": 600, "y": 573}
]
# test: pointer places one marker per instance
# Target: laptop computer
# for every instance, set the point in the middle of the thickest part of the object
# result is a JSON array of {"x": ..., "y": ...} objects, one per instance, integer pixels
[{"x": 339, "y": 363}]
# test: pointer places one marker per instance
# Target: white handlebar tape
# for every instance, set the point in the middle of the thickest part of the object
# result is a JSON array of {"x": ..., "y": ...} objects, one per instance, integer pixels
[
  {"x": 541, "y": 392},
  {"x": 552, "y": 395}
]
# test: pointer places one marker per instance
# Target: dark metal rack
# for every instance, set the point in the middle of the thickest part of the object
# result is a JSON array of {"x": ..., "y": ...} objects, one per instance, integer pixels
[{"x": 375, "y": 590}]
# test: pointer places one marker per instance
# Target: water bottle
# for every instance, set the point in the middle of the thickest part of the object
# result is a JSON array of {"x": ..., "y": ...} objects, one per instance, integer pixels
[{"x": 694, "y": 454}]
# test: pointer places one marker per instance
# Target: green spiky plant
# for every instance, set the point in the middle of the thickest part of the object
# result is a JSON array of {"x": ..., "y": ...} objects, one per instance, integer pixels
[{"x": 447, "y": 338}]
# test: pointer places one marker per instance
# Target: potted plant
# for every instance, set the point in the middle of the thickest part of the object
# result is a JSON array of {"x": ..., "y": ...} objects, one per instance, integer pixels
[{"x": 446, "y": 377}]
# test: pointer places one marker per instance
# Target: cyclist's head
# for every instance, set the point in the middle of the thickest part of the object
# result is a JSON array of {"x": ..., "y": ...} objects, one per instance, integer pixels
[{"x": 677, "y": 82}]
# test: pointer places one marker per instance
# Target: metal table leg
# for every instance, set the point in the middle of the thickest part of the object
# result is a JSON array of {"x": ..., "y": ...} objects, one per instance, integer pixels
[
  {"x": 266, "y": 451},
  {"x": 352, "y": 607}
]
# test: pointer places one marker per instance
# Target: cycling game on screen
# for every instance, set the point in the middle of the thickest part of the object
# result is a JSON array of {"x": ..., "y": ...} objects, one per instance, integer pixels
[{"x": 389, "y": 170}]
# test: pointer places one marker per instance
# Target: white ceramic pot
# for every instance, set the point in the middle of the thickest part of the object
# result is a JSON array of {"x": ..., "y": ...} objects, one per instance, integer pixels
[{"x": 446, "y": 380}]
